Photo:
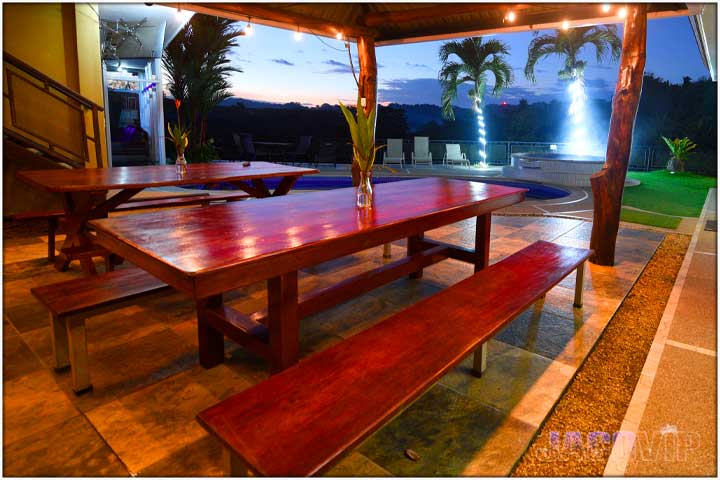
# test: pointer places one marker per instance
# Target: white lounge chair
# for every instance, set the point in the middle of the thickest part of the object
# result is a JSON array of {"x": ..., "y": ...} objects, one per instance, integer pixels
[
  {"x": 421, "y": 154},
  {"x": 393, "y": 153},
  {"x": 454, "y": 156}
]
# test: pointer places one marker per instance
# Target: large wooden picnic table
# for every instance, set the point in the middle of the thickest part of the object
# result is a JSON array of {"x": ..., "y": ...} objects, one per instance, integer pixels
[
  {"x": 85, "y": 192},
  {"x": 220, "y": 248}
]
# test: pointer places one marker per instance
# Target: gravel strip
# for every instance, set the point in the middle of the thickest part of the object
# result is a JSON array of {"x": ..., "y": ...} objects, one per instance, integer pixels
[{"x": 572, "y": 441}]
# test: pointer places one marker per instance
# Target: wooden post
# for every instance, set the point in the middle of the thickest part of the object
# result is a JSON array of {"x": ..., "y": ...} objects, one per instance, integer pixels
[
  {"x": 607, "y": 185},
  {"x": 367, "y": 84}
]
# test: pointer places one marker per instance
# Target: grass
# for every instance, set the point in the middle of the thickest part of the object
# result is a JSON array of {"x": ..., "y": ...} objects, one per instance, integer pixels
[
  {"x": 647, "y": 218},
  {"x": 680, "y": 194}
]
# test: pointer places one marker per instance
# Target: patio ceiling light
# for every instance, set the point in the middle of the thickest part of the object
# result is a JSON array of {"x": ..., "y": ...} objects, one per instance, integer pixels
[
  {"x": 298, "y": 34},
  {"x": 249, "y": 28},
  {"x": 510, "y": 17},
  {"x": 622, "y": 13},
  {"x": 565, "y": 25},
  {"x": 339, "y": 35},
  {"x": 606, "y": 7}
]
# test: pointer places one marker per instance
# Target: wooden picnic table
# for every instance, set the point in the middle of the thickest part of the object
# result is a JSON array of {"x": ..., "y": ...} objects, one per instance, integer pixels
[
  {"x": 84, "y": 192},
  {"x": 220, "y": 248}
]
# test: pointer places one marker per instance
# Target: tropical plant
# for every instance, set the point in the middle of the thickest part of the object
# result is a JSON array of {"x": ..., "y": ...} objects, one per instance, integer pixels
[
  {"x": 680, "y": 150},
  {"x": 362, "y": 132},
  {"x": 568, "y": 44},
  {"x": 198, "y": 65},
  {"x": 476, "y": 60}
]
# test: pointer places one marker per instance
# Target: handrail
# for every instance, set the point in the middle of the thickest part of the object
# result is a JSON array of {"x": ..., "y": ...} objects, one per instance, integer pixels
[{"x": 33, "y": 72}]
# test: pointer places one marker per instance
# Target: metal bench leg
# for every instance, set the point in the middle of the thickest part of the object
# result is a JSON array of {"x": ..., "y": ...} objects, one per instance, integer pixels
[
  {"x": 59, "y": 336},
  {"x": 579, "y": 286},
  {"x": 235, "y": 466},
  {"x": 77, "y": 341},
  {"x": 480, "y": 360}
]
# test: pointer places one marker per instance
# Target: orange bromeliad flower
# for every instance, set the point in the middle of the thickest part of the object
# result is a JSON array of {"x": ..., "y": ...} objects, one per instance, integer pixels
[{"x": 177, "y": 104}]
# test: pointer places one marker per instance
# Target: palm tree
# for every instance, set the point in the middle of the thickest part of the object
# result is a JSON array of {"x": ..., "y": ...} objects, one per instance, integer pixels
[
  {"x": 197, "y": 65},
  {"x": 476, "y": 60},
  {"x": 568, "y": 44}
]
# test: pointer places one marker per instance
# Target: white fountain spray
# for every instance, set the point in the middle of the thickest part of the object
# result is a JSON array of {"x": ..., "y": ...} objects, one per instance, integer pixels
[
  {"x": 578, "y": 140},
  {"x": 481, "y": 133}
]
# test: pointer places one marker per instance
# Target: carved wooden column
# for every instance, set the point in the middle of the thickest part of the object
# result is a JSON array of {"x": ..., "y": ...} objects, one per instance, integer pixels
[
  {"x": 367, "y": 83},
  {"x": 607, "y": 185}
]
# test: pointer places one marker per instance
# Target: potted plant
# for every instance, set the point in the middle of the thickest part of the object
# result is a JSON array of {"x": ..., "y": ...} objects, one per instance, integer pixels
[
  {"x": 680, "y": 151},
  {"x": 179, "y": 136},
  {"x": 362, "y": 131}
]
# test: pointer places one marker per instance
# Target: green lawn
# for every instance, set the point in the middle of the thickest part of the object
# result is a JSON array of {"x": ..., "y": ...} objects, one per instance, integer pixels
[
  {"x": 652, "y": 219},
  {"x": 681, "y": 194}
]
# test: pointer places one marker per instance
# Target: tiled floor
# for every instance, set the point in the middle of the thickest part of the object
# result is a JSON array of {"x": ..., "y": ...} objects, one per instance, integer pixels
[{"x": 148, "y": 386}]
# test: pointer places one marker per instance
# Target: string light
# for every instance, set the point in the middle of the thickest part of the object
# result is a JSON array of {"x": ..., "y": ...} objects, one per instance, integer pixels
[
  {"x": 298, "y": 34},
  {"x": 606, "y": 7},
  {"x": 510, "y": 17},
  {"x": 622, "y": 13},
  {"x": 565, "y": 25},
  {"x": 248, "y": 28},
  {"x": 339, "y": 35}
]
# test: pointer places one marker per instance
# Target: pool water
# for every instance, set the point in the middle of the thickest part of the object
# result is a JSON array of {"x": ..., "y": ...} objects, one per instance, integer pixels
[{"x": 536, "y": 191}]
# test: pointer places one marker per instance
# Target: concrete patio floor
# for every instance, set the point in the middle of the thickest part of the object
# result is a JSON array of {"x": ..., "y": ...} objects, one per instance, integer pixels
[{"x": 148, "y": 386}]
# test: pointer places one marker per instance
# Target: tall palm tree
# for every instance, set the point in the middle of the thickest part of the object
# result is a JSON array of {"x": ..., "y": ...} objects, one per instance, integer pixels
[
  {"x": 568, "y": 44},
  {"x": 475, "y": 59},
  {"x": 198, "y": 65}
]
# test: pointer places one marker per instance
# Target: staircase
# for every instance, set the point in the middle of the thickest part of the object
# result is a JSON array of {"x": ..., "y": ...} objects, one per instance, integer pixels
[{"x": 45, "y": 125}]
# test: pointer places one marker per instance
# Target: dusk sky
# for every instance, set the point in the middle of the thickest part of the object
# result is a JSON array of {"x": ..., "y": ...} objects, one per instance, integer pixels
[{"x": 277, "y": 68}]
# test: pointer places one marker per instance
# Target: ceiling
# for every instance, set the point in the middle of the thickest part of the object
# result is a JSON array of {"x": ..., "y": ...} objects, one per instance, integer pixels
[
  {"x": 394, "y": 23},
  {"x": 161, "y": 25}
]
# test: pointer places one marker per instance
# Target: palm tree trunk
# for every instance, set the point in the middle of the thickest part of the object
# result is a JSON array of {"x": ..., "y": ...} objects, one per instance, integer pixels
[{"x": 481, "y": 129}]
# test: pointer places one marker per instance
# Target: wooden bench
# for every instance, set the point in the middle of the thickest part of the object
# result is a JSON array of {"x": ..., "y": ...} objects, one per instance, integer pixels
[
  {"x": 302, "y": 420},
  {"x": 72, "y": 301},
  {"x": 55, "y": 216}
]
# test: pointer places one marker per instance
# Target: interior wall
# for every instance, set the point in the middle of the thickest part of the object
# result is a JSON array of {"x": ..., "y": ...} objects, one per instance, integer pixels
[{"x": 63, "y": 42}]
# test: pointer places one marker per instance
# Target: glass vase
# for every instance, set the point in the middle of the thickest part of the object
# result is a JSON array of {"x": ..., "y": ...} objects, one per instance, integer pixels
[
  {"x": 181, "y": 164},
  {"x": 364, "y": 190}
]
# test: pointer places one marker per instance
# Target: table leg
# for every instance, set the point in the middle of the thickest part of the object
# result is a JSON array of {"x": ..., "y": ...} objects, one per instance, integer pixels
[
  {"x": 413, "y": 247},
  {"x": 285, "y": 185},
  {"x": 482, "y": 241},
  {"x": 211, "y": 344},
  {"x": 78, "y": 207},
  {"x": 283, "y": 321},
  {"x": 482, "y": 258}
]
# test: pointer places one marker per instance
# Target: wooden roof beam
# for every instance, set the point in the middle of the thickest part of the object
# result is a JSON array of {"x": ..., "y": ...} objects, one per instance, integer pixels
[
  {"x": 377, "y": 19},
  {"x": 275, "y": 16}
]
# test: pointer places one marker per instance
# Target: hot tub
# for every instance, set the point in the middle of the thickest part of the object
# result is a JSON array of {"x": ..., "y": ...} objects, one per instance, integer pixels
[{"x": 556, "y": 168}]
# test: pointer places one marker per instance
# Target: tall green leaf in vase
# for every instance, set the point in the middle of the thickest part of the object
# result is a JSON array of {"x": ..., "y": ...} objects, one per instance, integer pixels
[{"x": 362, "y": 131}]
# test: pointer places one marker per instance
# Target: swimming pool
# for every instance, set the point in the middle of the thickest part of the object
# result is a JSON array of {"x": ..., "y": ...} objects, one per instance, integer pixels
[{"x": 536, "y": 191}]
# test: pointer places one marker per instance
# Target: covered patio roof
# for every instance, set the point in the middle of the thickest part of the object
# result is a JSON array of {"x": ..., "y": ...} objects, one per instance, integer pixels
[{"x": 397, "y": 23}]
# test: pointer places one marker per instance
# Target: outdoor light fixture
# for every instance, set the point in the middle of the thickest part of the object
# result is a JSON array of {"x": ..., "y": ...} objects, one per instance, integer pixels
[
  {"x": 339, "y": 35},
  {"x": 298, "y": 34},
  {"x": 622, "y": 13},
  {"x": 249, "y": 28},
  {"x": 606, "y": 7},
  {"x": 565, "y": 25},
  {"x": 510, "y": 17}
]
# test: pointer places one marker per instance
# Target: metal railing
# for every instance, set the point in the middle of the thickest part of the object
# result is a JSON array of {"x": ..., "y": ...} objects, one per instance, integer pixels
[{"x": 50, "y": 116}]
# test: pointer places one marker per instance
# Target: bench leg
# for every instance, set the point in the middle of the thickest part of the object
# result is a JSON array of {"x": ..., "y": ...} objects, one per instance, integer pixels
[
  {"x": 79, "y": 367},
  {"x": 480, "y": 360},
  {"x": 60, "y": 346},
  {"x": 283, "y": 321},
  {"x": 482, "y": 241},
  {"x": 234, "y": 465},
  {"x": 387, "y": 251},
  {"x": 413, "y": 247},
  {"x": 579, "y": 286}
]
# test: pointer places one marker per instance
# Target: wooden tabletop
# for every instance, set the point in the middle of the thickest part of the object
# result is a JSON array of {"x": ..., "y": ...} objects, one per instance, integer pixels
[
  {"x": 225, "y": 246},
  {"x": 94, "y": 179}
]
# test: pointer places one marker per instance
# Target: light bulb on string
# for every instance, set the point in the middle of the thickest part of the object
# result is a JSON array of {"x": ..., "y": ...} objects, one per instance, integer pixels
[
  {"x": 565, "y": 25},
  {"x": 249, "y": 28},
  {"x": 298, "y": 35},
  {"x": 510, "y": 17},
  {"x": 339, "y": 35}
]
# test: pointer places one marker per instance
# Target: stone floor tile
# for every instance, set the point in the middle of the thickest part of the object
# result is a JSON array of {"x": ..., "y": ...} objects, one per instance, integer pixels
[
  {"x": 356, "y": 465},
  {"x": 201, "y": 458},
  {"x": 28, "y": 315},
  {"x": 33, "y": 403},
  {"x": 695, "y": 320},
  {"x": 9, "y": 329},
  {"x": 71, "y": 448},
  {"x": 18, "y": 359},
  {"x": 150, "y": 424},
  {"x": 451, "y": 433}
]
